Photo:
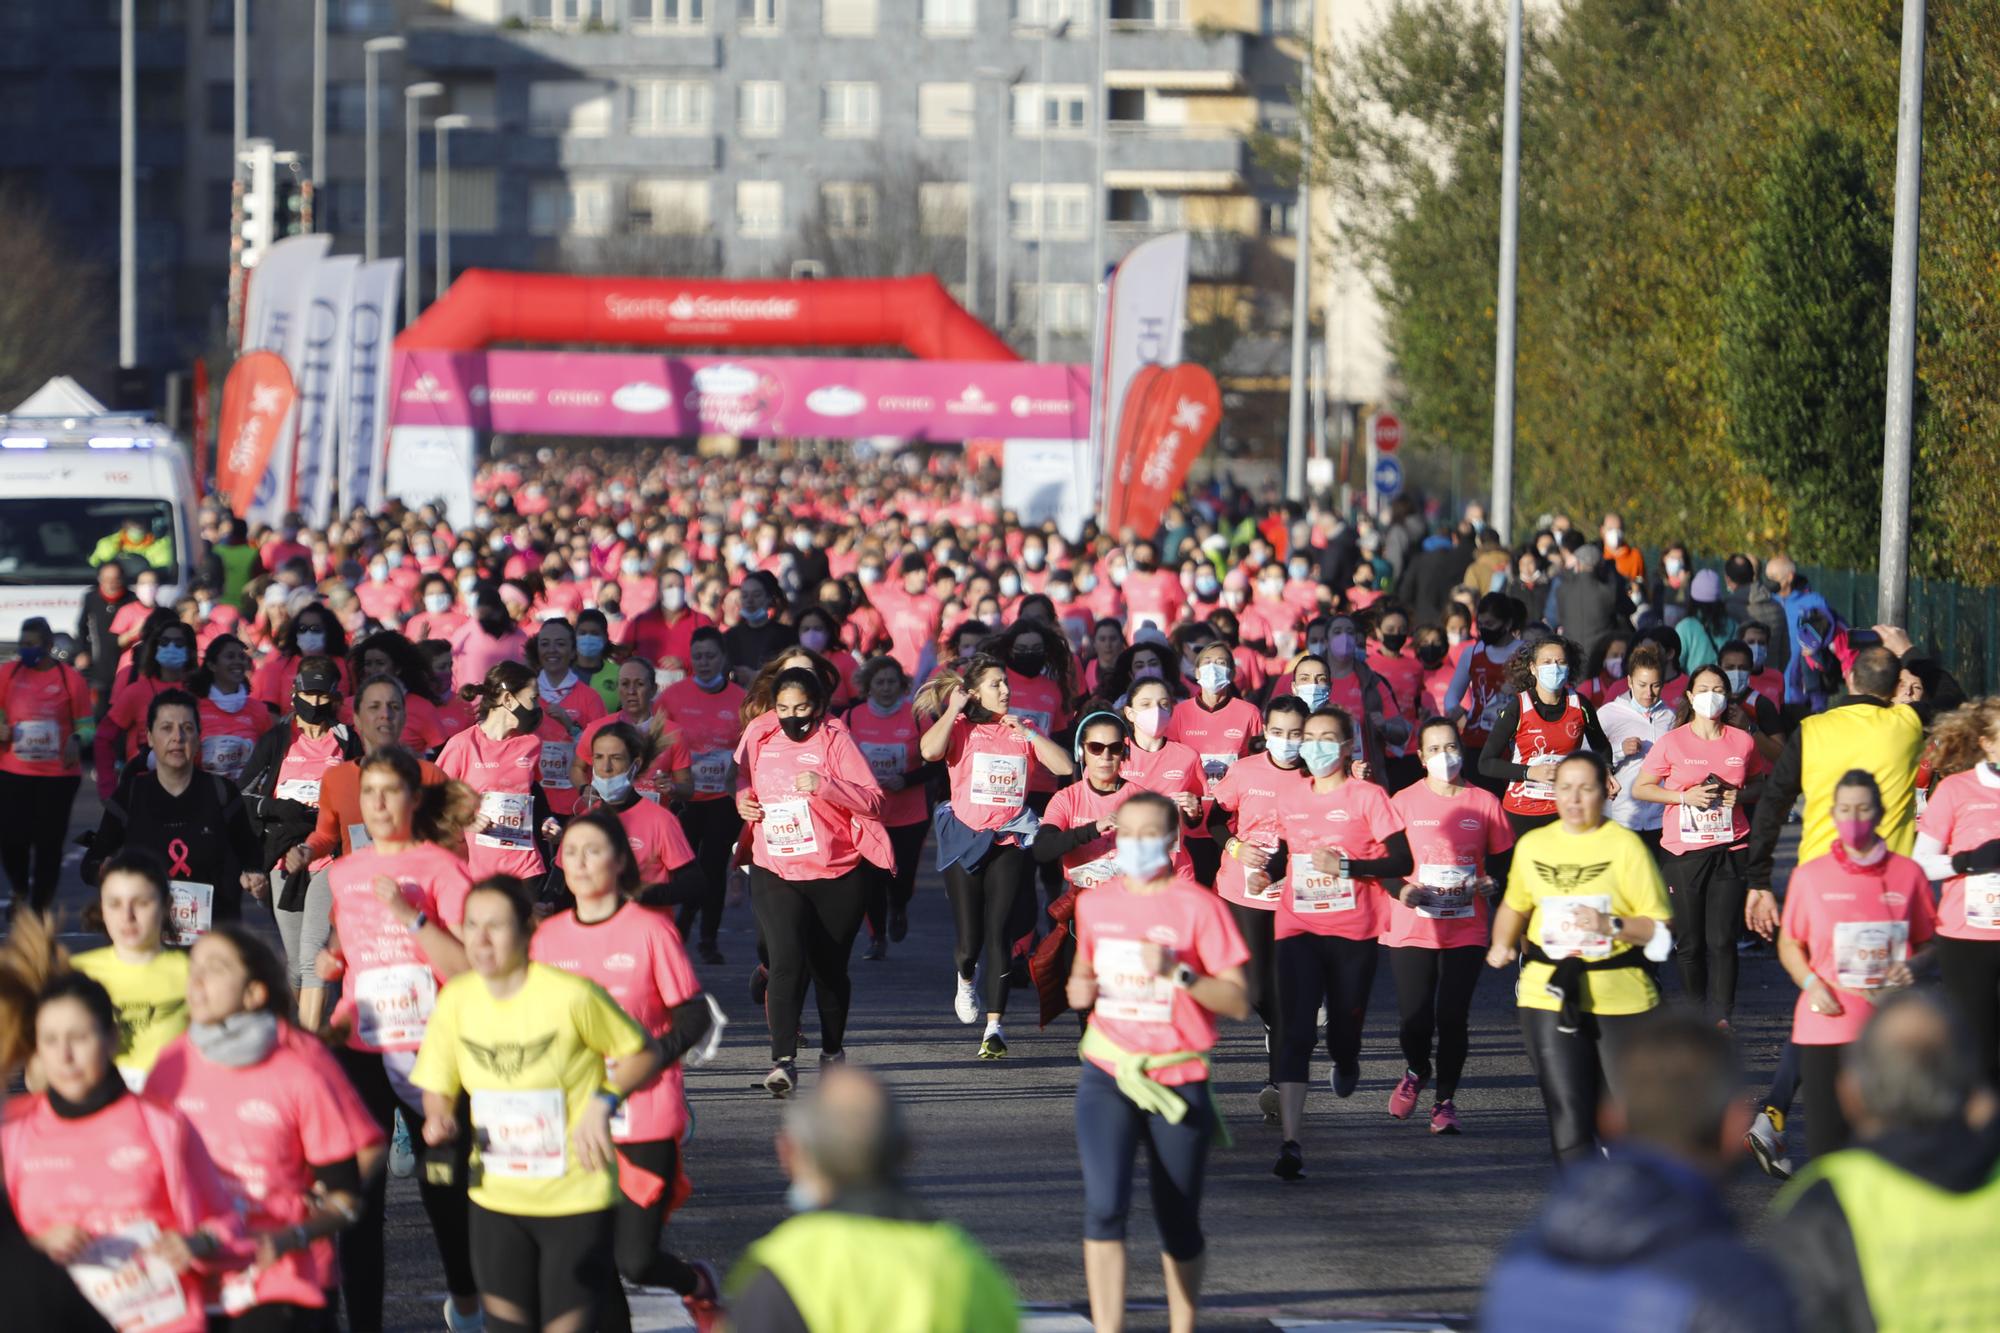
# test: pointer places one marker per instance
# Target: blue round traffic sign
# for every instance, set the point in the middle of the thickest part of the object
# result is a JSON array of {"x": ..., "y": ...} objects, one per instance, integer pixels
[{"x": 1388, "y": 476}]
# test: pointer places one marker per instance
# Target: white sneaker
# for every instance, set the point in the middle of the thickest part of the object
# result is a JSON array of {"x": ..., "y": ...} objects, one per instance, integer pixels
[
  {"x": 967, "y": 1001},
  {"x": 1766, "y": 1141}
]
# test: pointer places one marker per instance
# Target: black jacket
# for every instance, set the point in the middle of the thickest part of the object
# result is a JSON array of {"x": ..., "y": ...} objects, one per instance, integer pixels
[
  {"x": 1590, "y": 611},
  {"x": 1427, "y": 581},
  {"x": 93, "y": 635},
  {"x": 280, "y": 824},
  {"x": 203, "y": 835}
]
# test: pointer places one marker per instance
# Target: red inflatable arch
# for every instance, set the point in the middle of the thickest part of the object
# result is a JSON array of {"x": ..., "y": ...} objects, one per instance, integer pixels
[{"x": 487, "y": 306}]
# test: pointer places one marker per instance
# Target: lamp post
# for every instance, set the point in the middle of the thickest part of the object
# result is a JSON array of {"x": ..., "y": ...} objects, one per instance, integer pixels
[
  {"x": 412, "y": 95},
  {"x": 239, "y": 61},
  {"x": 1002, "y": 80},
  {"x": 319, "y": 97},
  {"x": 1893, "y": 578},
  {"x": 1295, "y": 429},
  {"x": 1501, "y": 512},
  {"x": 128, "y": 186},
  {"x": 443, "y": 126},
  {"x": 1051, "y": 33},
  {"x": 372, "y": 51}
]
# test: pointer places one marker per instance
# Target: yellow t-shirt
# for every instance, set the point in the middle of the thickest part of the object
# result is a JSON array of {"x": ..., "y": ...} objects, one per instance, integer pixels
[
  {"x": 531, "y": 1063},
  {"x": 1607, "y": 868},
  {"x": 151, "y": 998}
]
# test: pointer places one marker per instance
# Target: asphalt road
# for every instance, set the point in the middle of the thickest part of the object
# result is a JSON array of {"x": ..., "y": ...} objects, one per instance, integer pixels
[{"x": 1391, "y": 1228}]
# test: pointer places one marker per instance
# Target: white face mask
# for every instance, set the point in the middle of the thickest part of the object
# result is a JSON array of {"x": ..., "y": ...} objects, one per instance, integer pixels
[
  {"x": 1710, "y": 704},
  {"x": 1212, "y": 676},
  {"x": 1445, "y": 767},
  {"x": 1142, "y": 859}
]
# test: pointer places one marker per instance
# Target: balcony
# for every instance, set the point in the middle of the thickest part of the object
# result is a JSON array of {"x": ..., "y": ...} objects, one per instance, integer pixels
[
  {"x": 1174, "y": 157},
  {"x": 1213, "y": 256},
  {"x": 1151, "y": 57},
  {"x": 447, "y": 45},
  {"x": 546, "y": 150}
]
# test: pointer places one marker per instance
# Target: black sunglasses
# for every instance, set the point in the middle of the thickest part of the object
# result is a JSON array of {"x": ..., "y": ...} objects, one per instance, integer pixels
[{"x": 1104, "y": 747}]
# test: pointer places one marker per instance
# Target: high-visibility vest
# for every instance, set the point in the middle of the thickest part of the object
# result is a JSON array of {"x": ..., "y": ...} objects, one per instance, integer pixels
[{"x": 848, "y": 1273}]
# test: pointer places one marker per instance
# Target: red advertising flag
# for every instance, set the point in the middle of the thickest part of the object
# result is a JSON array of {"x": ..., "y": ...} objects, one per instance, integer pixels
[
  {"x": 1175, "y": 421},
  {"x": 198, "y": 425},
  {"x": 256, "y": 399},
  {"x": 1124, "y": 460}
]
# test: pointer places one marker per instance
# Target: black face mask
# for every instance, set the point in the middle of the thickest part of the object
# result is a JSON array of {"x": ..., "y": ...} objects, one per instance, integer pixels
[
  {"x": 1028, "y": 660},
  {"x": 1145, "y": 566},
  {"x": 1491, "y": 634},
  {"x": 317, "y": 715},
  {"x": 1431, "y": 654},
  {"x": 798, "y": 727},
  {"x": 528, "y": 718},
  {"x": 1394, "y": 642}
]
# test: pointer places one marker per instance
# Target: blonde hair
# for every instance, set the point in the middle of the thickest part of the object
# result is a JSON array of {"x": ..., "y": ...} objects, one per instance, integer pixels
[{"x": 1956, "y": 737}]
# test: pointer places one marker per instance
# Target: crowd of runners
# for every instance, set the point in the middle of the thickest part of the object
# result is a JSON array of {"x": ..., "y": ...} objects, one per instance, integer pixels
[{"x": 416, "y": 838}]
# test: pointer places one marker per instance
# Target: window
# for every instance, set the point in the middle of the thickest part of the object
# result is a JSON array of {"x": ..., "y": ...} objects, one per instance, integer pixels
[
  {"x": 944, "y": 110},
  {"x": 684, "y": 14},
  {"x": 849, "y": 208},
  {"x": 580, "y": 107},
  {"x": 49, "y": 539},
  {"x": 849, "y": 110},
  {"x": 760, "y": 209},
  {"x": 760, "y": 15},
  {"x": 347, "y": 107},
  {"x": 667, "y": 207},
  {"x": 1144, "y": 207},
  {"x": 221, "y": 97},
  {"x": 1048, "y": 13},
  {"x": 949, "y": 18},
  {"x": 1069, "y": 306},
  {"x": 848, "y": 18},
  {"x": 669, "y": 106},
  {"x": 360, "y": 15},
  {"x": 1280, "y": 218},
  {"x": 942, "y": 207},
  {"x": 568, "y": 13},
  {"x": 1283, "y": 18},
  {"x": 1150, "y": 13},
  {"x": 558, "y": 207},
  {"x": 1062, "y": 110},
  {"x": 1054, "y": 212},
  {"x": 760, "y": 109},
  {"x": 475, "y": 199}
]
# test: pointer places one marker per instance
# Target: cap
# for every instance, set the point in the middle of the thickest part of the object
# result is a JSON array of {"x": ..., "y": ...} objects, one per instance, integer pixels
[
  {"x": 317, "y": 676},
  {"x": 1707, "y": 587}
]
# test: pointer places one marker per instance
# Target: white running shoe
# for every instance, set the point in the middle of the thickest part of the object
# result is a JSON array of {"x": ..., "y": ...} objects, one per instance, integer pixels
[{"x": 967, "y": 1001}]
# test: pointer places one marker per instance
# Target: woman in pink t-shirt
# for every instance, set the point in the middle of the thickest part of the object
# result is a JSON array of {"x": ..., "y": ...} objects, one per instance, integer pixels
[
  {"x": 231, "y": 721},
  {"x": 1155, "y": 763},
  {"x": 618, "y": 753},
  {"x": 636, "y": 955},
  {"x": 1220, "y": 726},
  {"x": 708, "y": 707},
  {"x": 1708, "y": 768},
  {"x": 1436, "y": 932},
  {"x": 41, "y": 762},
  {"x": 500, "y": 758},
  {"x": 1157, "y": 959},
  {"x": 885, "y": 726},
  {"x": 569, "y": 704},
  {"x": 1958, "y": 845},
  {"x": 165, "y": 660},
  {"x": 1855, "y": 920}
]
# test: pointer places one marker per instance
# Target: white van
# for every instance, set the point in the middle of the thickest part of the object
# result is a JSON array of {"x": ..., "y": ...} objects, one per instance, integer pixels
[{"x": 69, "y": 483}]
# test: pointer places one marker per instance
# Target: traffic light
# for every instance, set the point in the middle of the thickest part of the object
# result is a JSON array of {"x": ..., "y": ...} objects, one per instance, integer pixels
[
  {"x": 294, "y": 206},
  {"x": 256, "y": 165}
]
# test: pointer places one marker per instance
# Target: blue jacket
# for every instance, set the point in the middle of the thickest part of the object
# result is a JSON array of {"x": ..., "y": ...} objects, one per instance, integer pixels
[
  {"x": 1802, "y": 685},
  {"x": 1638, "y": 1242}
]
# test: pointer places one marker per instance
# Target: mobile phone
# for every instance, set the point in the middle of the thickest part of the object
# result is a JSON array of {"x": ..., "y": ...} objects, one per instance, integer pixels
[{"x": 1863, "y": 638}]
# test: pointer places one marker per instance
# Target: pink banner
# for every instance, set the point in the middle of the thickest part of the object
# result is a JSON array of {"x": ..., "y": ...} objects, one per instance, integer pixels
[{"x": 619, "y": 393}]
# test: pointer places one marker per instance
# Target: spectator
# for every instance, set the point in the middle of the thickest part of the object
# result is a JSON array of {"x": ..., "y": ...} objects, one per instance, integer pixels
[
  {"x": 101, "y": 606},
  {"x": 1587, "y": 608},
  {"x": 1624, "y": 562},
  {"x": 1748, "y": 602}
]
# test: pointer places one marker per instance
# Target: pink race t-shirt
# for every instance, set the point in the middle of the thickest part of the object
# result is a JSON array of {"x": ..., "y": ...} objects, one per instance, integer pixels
[
  {"x": 807, "y": 835},
  {"x": 1355, "y": 819},
  {"x": 1964, "y": 813},
  {"x": 1171, "y": 770},
  {"x": 1855, "y": 922},
  {"x": 302, "y": 770},
  {"x": 1037, "y": 701},
  {"x": 712, "y": 727},
  {"x": 637, "y": 956},
  {"x": 227, "y": 738},
  {"x": 1091, "y": 864},
  {"x": 989, "y": 766},
  {"x": 390, "y": 987},
  {"x": 1141, "y": 1011},
  {"x": 1450, "y": 839},
  {"x": 1680, "y": 760},
  {"x": 1219, "y": 736},
  {"x": 889, "y": 744},
  {"x": 42, "y": 706},
  {"x": 559, "y": 748},
  {"x": 658, "y": 842},
  {"x": 504, "y": 774},
  {"x": 1255, "y": 791}
]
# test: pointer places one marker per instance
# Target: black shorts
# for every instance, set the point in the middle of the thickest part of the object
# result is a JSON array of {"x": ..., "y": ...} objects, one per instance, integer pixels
[{"x": 546, "y": 1267}]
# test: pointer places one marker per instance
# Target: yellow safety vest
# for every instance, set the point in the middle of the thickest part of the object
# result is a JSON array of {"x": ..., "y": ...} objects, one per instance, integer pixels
[
  {"x": 1884, "y": 740},
  {"x": 848, "y": 1273}
]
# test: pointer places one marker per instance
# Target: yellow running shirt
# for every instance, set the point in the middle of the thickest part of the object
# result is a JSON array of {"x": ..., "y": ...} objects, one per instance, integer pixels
[
  {"x": 151, "y": 998},
  {"x": 1607, "y": 868}
]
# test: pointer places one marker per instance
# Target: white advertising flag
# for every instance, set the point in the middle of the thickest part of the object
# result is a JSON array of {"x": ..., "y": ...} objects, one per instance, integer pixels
[
  {"x": 1147, "y": 312},
  {"x": 364, "y": 394},
  {"x": 281, "y": 289},
  {"x": 433, "y": 465},
  {"x": 322, "y": 352}
]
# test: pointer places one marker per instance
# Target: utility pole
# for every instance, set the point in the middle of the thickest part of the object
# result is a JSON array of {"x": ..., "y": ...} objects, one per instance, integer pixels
[
  {"x": 1501, "y": 512},
  {"x": 1892, "y": 597},
  {"x": 128, "y": 186},
  {"x": 1295, "y": 432},
  {"x": 318, "y": 176},
  {"x": 371, "y": 186}
]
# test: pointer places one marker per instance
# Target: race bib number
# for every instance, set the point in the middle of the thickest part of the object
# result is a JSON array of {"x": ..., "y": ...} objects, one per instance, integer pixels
[
  {"x": 1706, "y": 828},
  {"x": 1125, "y": 989},
  {"x": 190, "y": 912},
  {"x": 885, "y": 759},
  {"x": 999, "y": 780},
  {"x": 392, "y": 1005},
  {"x": 239, "y": 1290},
  {"x": 357, "y": 837},
  {"x": 557, "y": 756},
  {"x": 132, "y": 1291},
  {"x": 1535, "y": 790},
  {"x": 711, "y": 772},
  {"x": 1864, "y": 951},
  {"x": 521, "y": 1135},
  {"x": 1982, "y": 901},
  {"x": 227, "y": 755},
  {"x": 303, "y": 790},
  {"x": 509, "y": 812},
  {"x": 788, "y": 828},
  {"x": 1562, "y": 929},
  {"x": 1446, "y": 892},
  {"x": 37, "y": 741},
  {"x": 1093, "y": 873},
  {"x": 1316, "y": 891}
]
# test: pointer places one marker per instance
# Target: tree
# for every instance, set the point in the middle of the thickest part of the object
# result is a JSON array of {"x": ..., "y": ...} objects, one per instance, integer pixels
[
  {"x": 908, "y": 216},
  {"x": 51, "y": 306}
]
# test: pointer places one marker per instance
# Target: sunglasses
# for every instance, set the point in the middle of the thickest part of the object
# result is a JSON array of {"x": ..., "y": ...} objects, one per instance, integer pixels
[{"x": 1104, "y": 747}]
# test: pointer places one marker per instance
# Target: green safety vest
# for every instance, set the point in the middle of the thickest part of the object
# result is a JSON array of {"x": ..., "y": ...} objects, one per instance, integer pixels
[
  {"x": 848, "y": 1273},
  {"x": 238, "y": 566},
  {"x": 1926, "y": 1254}
]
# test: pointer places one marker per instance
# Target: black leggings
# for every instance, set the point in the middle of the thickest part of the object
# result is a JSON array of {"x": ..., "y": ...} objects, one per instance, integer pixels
[
  {"x": 1434, "y": 993},
  {"x": 361, "y": 1270},
  {"x": 546, "y": 1268},
  {"x": 1109, "y": 1130},
  {"x": 1574, "y": 1069},
  {"x": 712, "y": 828},
  {"x": 1206, "y": 854},
  {"x": 1827, "y": 1129},
  {"x": 1260, "y": 977},
  {"x": 1970, "y": 970},
  {"x": 982, "y": 905},
  {"x": 1315, "y": 968},
  {"x": 1523, "y": 823},
  {"x": 275, "y": 1318},
  {"x": 1707, "y": 889},
  {"x": 808, "y": 926},
  {"x": 31, "y": 837},
  {"x": 891, "y": 890},
  {"x": 636, "y": 1237}
]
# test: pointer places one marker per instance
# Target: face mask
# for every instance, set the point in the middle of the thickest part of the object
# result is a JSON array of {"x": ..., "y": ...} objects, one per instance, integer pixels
[
  {"x": 628, "y": 530},
  {"x": 1709, "y": 704},
  {"x": 147, "y": 593},
  {"x": 1060, "y": 594},
  {"x": 1341, "y": 646},
  {"x": 378, "y": 573},
  {"x": 312, "y": 641},
  {"x": 1490, "y": 633},
  {"x": 1142, "y": 859},
  {"x": 1145, "y": 671},
  {"x": 1454, "y": 637},
  {"x": 1206, "y": 586},
  {"x": 1393, "y": 643},
  {"x": 462, "y": 559},
  {"x": 802, "y": 541},
  {"x": 1284, "y": 749},
  {"x": 757, "y": 617},
  {"x": 1009, "y": 586},
  {"x": 317, "y": 715},
  {"x": 437, "y": 603},
  {"x": 1028, "y": 659},
  {"x": 590, "y": 647},
  {"x": 673, "y": 598},
  {"x": 1299, "y": 569},
  {"x": 1855, "y": 832},
  {"x": 1322, "y": 757},
  {"x": 710, "y": 683},
  {"x": 529, "y": 718},
  {"x": 1613, "y": 539},
  {"x": 1431, "y": 654},
  {"x": 1212, "y": 676},
  {"x": 815, "y": 639},
  {"x": 798, "y": 728},
  {"x": 1739, "y": 680},
  {"x": 1033, "y": 557},
  {"x": 1552, "y": 676},
  {"x": 1614, "y": 667},
  {"x": 1149, "y": 721},
  {"x": 613, "y": 789},
  {"x": 1313, "y": 696},
  {"x": 32, "y": 655},
  {"x": 631, "y": 567},
  {"x": 1086, "y": 582},
  {"x": 1758, "y": 653},
  {"x": 172, "y": 656},
  {"x": 870, "y": 576},
  {"x": 1673, "y": 564},
  {"x": 204, "y": 607},
  {"x": 1272, "y": 589},
  {"x": 1444, "y": 767}
]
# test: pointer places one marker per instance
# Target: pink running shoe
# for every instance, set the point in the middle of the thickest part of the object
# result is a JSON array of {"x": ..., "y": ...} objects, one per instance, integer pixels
[
  {"x": 1444, "y": 1118},
  {"x": 1404, "y": 1099}
]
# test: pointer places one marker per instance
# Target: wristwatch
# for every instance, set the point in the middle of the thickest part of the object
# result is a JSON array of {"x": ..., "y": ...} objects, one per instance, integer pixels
[
  {"x": 1617, "y": 925},
  {"x": 1185, "y": 976},
  {"x": 612, "y": 1101},
  {"x": 417, "y": 926}
]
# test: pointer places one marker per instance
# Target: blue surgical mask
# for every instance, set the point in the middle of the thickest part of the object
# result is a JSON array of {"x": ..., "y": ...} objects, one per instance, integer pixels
[
  {"x": 1142, "y": 859},
  {"x": 437, "y": 603},
  {"x": 1284, "y": 749},
  {"x": 312, "y": 641},
  {"x": 1341, "y": 646},
  {"x": 1206, "y": 586},
  {"x": 710, "y": 683},
  {"x": 757, "y": 617},
  {"x": 1322, "y": 757},
  {"x": 590, "y": 647},
  {"x": 1739, "y": 680},
  {"x": 1212, "y": 676},
  {"x": 1552, "y": 676},
  {"x": 172, "y": 656},
  {"x": 1758, "y": 653},
  {"x": 462, "y": 558},
  {"x": 613, "y": 789},
  {"x": 1313, "y": 696}
]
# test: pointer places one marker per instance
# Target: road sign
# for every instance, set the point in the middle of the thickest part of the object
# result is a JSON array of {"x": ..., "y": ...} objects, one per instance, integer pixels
[
  {"x": 1388, "y": 478},
  {"x": 1388, "y": 432}
]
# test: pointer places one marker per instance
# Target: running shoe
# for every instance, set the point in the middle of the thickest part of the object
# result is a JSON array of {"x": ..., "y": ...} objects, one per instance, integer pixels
[
  {"x": 1344, "y": 1081},
  {"x": 704, "y": 1303},
  {"x": 402, "y": 1157},
  {"x": 1766, "y": 1141},
  {"x": 899, "y": 923},
  {"x": 455, "y": 1322},
  {"x": 1444, "y": 1118},
  {"x": 1404, "y": 1099},
  {"x": 832, "y": 1058},
  {"x": 784, "y": 1076},
  {"x": 1267, "y": 1102},
  {"x": 760, "y": 982},
  {"x": 993, "y": 1046},
  {"x": 709, "y": 953},
  {"x": 967, "y": 1001},
  {"x": 1291, "y": 1163},
  {"x": 878, "y": 949}
]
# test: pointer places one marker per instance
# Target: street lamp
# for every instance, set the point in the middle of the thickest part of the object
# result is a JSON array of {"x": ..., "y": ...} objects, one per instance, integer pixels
[
  {"x": 1003, "y": 80},
  {"x": 128, "y": 187},
  {"x": 239, "y": 59},
  {"x": 412, "y": 95},
  {"x": 444, "y": 125},
  {"x": 319, "y": 96},
  {"x": 372, "y": 51},
  {"x": 1054, "y": 33}
]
